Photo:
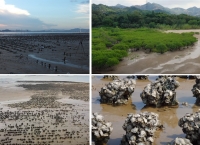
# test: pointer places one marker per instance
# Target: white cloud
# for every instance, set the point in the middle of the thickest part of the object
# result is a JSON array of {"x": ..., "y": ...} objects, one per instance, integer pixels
[
  {"x": 83, "y": 8},
  {"x": 2, "y": 25},
  {"x": 5, "y": 8}
]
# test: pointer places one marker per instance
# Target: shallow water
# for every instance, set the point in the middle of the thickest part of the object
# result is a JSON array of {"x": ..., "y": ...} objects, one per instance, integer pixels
[
  {"x": 61, "y": 63},
  {"x": 178, "y": 62},
  {"x": 168, "y": 116}
]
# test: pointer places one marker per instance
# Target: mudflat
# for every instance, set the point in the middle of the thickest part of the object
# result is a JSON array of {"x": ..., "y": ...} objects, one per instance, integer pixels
[
  {"x": 168, "y": 116},
  {"x": 44, "y": 113},
  {"x": 44, "y": 53},
  {"x": 185, "y": 61}
]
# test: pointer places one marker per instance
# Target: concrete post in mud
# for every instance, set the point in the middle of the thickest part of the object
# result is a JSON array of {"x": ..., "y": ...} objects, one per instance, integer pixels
[
  {"x": 161, "y": 92},
  {"x": 140, "y": 128},
  {"x": 101, "y": 129},
  {"x": 196, "y": 90},
  {"x": 190, "y": 126},
  {"x": 117, "y": 91}
]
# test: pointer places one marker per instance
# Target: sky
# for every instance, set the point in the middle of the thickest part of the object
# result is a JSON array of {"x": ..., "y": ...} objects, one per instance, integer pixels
[
  {"x": 166, "y": 3},
  {"x": 44, "y": 14}
]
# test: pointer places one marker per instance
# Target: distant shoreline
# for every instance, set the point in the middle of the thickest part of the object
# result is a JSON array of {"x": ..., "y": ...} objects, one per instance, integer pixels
[{"x": 49, "y": 82}]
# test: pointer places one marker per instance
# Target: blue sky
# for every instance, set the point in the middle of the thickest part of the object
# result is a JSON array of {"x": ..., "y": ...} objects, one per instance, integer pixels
[{"x": 44, "y": 14}]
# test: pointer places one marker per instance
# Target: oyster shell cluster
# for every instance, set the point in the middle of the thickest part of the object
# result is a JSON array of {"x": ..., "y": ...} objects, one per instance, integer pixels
[
  {"x": 112, "y": 77},
  {"x": 140, "y": 128},
  {"x": 196, "y": 90},
  {"x": 101, "y": 129},
  {"x": 117, "y": 91},
  {"x": 142, "y": 77},
  {"x": 160, "y": 92},
  {"x": 180, "y": 141},
  {"x": 190, "y": 124}
]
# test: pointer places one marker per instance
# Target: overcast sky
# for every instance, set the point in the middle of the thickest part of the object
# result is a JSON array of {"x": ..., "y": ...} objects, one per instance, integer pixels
[
  {"x": 166, "y": 3},
  {"x": 44, "y": 14}
]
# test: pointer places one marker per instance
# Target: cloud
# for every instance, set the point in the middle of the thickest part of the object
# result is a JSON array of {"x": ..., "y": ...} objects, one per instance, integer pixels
[
  {"x": 83, "y": 8},
  {"x": 13, "y": 21},
  {"x": 12, "y": 17},
  {"x": 85, "y": 2},
  {"x": 2, "y": 25},
  {"x": 5, "y": 8}
]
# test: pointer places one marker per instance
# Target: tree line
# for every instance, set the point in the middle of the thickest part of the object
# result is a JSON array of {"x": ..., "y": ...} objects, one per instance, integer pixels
[{"x": 138, "y": 18}]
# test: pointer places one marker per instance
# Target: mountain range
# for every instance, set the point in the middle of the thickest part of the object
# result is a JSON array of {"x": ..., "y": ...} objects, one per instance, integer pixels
[{"x": 193, "y": 11}]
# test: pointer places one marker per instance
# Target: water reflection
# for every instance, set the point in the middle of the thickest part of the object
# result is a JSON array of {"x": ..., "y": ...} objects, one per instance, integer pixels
[{"x": 168, "y": 116}]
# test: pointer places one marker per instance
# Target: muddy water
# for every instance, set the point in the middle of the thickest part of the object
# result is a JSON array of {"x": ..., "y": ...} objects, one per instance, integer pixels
[
  {"x": 168, "y": 116},
  {"x": 184, "y": 61}
]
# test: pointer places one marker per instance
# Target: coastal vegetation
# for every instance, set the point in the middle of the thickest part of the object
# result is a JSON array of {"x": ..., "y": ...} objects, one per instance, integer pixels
[
  {"x": 117, "y": 31},
  {"x": 110, "y": 45}
]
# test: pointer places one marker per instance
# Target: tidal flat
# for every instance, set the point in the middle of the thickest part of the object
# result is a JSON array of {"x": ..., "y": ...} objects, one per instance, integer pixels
[
  {"x": 44, "y": 53},
  {"x": 44, "y": 112}
]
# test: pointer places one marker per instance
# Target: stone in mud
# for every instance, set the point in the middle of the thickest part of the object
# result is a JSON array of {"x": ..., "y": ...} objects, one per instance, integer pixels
[
  {"x": 112, "y": 77},
  {"x": 140, "y": 128},
  {"x": 180, "y": 141},
  {"x": 117, "y": 91},
  {"x": 196, "y": 90},
  {"x": 190, "y": 124},
  {"x": 142, "y": 77},
  {"x": 131, "y": 77},
  {"x": 101, "y": 129},
  {"x": 161, "y": 92}
]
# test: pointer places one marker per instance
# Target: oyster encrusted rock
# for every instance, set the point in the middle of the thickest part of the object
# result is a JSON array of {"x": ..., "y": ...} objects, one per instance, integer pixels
[
  {"x": 190, "y": 124},
  {"x": 101, "y": 129},
  {"x": 117, "y": 91},
  {"x": 112, "y": 77},
  {"x": 140, "y": 128},
  {"x": 160, "y": 92},
  {"x": 196, "y": 90}
]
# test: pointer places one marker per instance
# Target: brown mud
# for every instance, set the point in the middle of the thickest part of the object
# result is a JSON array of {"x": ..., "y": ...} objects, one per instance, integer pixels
[{"x": 168, "y": 116}]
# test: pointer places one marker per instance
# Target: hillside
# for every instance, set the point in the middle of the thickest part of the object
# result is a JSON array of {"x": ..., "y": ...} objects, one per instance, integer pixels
[
  {"x": 193, "y": 11},
  {"x": 148, "y": 15}
]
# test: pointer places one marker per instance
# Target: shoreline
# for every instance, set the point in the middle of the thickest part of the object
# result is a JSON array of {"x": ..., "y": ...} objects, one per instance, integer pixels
[{"x": 184, "y": 61}]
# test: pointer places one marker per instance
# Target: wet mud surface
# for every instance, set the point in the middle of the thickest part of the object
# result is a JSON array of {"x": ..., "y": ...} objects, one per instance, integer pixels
[
  {"x": 168, "y": 116},
  {"x": 44, "y": 113},
  {"x": 43, "y": 53},
  {"x": 177, "y": 62}
]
